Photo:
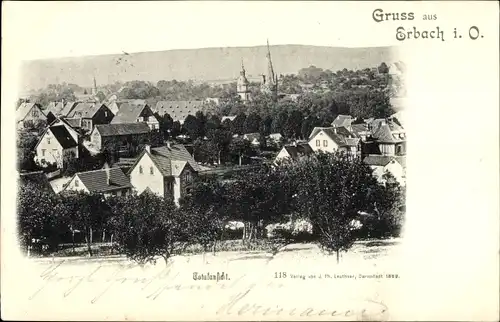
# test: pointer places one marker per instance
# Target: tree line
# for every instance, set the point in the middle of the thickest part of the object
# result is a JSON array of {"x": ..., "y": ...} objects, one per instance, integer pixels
[{"x": 331, "y": 191}]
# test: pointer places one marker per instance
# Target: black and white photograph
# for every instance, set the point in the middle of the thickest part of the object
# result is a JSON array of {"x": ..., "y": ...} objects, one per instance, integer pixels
[{"x": 212, "y": 160}]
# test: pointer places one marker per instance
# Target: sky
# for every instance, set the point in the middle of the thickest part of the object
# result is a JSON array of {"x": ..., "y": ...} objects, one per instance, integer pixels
[{"x": 38, "y": 30}]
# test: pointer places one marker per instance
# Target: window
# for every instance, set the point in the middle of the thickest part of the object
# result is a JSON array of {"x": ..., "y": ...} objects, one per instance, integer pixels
[
  {"x": 34, "y": 112},
  {"x": 318, "y": 143},
  {"x": 399, "y": 149},
  {"x": 43, "y": 152},
  {"x": 48, "y": 140},
  {"x": 325, "y": 143},
  {"x": 187, "y": 177},
  {"x": 151, "y": 170},
  {"x": 140, "y": 169},
  {"x": 76, "y": 183},
  {"x": 54, "y": 151}
]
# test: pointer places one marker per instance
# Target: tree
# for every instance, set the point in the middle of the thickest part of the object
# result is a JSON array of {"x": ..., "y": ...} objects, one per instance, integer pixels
[
  {"x": 101, "y": 96},
  {"x": 252, "y": 123},
  {"x": 293, "y": 124},
  {"x": 202, "y": 123},
  {"x": 220, "y": 140},
  {"x": 266, "y": 125},
  {"x": 26, "y": 143},
  {"x": 241, "y": 148},
  {"x": 383, "y": 69},
  {"x": 176, "y": 129},
  {"x": 83, "y": 211},
  {"x": 37, "y": 218},
  {"x": 148, "y": 226},
  {"x": 279, "y": 122},
  {"x": 333, "y": 190},
  {"x": 191, "y": 127},
  {"x": 238, "y": 124},
  {"x": 261, "y": 193}
]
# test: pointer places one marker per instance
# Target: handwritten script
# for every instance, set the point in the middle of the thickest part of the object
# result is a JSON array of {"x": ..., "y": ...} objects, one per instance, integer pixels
[{"x": 240, "y": 296}]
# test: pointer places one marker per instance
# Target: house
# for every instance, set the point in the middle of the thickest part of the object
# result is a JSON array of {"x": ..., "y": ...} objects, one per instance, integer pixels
[
  {"x": 178, "y": 110},
  {"x": 64, "y": 122},
  {"x": 214, "y": 100},
  {"x": 275, "y": 137},
  {"x": 382, "y": 164},
  {"x": 361, "y": 130},
  {"x": 55, "y": 145},
  {"x": 131, "y": 113},
  {"x": 166, "y": 171},
  {"x": 230, "y": 118},
  {"x": 254, "y": 138},
  {"x": 343, "y": 120},
  {"x": 91, "y": 114},
  {"x": 294, "y": 152},
  {"x": 28, "y": 114},
  {"x": 332, "y": 139},
  {"x": 108, "y": 181},
  {"x": 55, "y": 108},
  {"x": 388, "y": 137},
  {"x": 68, "y": 107},
  {"x": 123, "y": 134}
]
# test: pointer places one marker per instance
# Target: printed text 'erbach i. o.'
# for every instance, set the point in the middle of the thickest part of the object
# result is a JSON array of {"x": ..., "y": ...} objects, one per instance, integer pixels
[{"x": 427, "y": 32}]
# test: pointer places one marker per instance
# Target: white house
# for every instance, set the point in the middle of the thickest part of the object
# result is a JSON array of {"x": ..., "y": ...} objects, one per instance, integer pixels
[
  {"x": 332, "y": 139},
  {"x": 107, "y": 181},
  {"x": 27, "y": 114},
  {"x": 275, "y": 137},
  {"x": 166, "y": 171},
  {"x": 382, "y": 164},
  {"x": 254, "y": 138},
  {"x": 294, "y": 152},
  {"x": 56, "y": 143}
]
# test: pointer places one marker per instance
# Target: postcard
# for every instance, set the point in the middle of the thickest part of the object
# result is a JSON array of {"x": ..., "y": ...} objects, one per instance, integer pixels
[{"x": 234, "y": 161}]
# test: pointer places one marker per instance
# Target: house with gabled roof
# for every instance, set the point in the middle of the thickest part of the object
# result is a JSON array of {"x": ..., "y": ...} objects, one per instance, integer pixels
[
  {"x": 167, "y": 171},
  {"x": 178, "y": 110},
  {"x": 294, "y": 152},
  {"x": 56, "y": 144},
  {"x": 55, "y": 108},
  {"x": 107, "y": 181},
  {"x": 343, "y": 121},
  {"x": 253, "y": 138},
  {"x": 91, "y": 114},
  {"x": 68, "y": 107},
  {"x": 387, "y": 136},
  {"x": 122, "y": 134},
  {"x": 27, "y": 114},
  {"x": 382, "y": 164},
  {"x": 136, "y": 113},
  {"x": 333, "y": 139}
]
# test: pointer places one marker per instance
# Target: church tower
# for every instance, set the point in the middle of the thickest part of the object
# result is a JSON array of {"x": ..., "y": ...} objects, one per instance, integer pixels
[
  {"x": 270, "y": 81},
  {"x": 242, "y": 86}
]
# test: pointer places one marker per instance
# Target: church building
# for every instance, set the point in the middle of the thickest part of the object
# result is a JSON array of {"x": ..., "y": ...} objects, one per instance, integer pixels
[
  {"x": 270, "y": 81},
  {"x": 242, "y": 86}
]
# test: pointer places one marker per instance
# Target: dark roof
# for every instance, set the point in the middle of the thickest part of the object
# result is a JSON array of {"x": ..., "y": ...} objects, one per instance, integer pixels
[
  {"x": 122, "y": 129},
  {"x": 128, "y": 113},
  {"x": 340, "y": 135},
  {"x": 342, "y": 120},
  {"x": 63, "y": 137},
  {"x": 298, "y": 150},
  {"x": 96, "y": 181},
  {"x": 85, "y": 110},
  {"x": 178, "y": 110},
  {"x": 74, "y": 122},
  {"x": 379, "y": 160}
]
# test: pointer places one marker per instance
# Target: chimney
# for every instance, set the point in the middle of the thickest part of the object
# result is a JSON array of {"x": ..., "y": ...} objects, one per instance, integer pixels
[
  {"x": 147, "y": 147},
  {"x": 108, "y": 176}
]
